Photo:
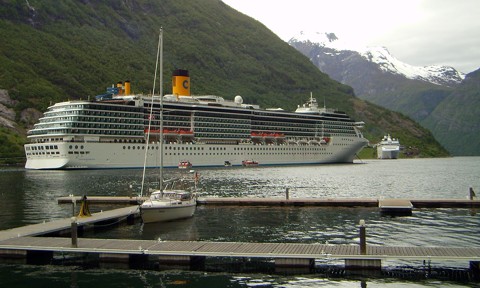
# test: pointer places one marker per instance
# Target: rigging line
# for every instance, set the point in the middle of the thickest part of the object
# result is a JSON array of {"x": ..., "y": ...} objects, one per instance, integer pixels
[{"x": 151, "y": 114}]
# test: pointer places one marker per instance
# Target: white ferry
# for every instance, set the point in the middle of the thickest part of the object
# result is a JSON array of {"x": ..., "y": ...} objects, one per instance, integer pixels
[
  {"x": 388, "y": 148},
  {"x": 112, "y": 130}
]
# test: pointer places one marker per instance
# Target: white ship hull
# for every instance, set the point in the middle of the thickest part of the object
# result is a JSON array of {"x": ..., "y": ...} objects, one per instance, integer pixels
[
  {"x": 387, "y": 153},
  {"x": 73, "y": 155}
]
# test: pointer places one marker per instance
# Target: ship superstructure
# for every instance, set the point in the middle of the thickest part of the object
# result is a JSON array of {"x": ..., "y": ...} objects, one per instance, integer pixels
[{"x": 388, "y": 148}]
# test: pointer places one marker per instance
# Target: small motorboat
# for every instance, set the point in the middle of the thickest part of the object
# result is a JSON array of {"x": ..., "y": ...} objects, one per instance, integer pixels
[{"x": 184, "y": 165}]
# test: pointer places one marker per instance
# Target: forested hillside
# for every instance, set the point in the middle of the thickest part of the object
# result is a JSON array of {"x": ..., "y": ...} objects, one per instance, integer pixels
[{"x": 58, "y": 50}]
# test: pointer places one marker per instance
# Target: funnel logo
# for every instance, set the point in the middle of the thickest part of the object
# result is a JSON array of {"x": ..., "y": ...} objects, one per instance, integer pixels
[{"x": 185, "y": 84}]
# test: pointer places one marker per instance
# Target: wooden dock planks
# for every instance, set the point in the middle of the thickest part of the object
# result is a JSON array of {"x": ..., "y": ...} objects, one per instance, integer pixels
[
  {"x": 340, "y": 202},
  {"x": 20, "y": 239},
  {"x": 298, "y": 202},
  {"x": 125, "y": 200},
  {"x": 237, "y": 249},
  {"x": 326, "y": 202},
  {"x": 64, "y": 224}
]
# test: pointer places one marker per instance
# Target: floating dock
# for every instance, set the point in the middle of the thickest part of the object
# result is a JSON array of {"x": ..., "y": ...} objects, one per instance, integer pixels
[
  {"x": 338, "y": 202},
  {"x": 121, "y": 200},
  {"x": 395, "y": 206},
  {"x": 189, "y": 252},
  {"x": 63, "y": 226},
  {"x": 20, "y": 244},
  {"x": 251, "y": 201}
]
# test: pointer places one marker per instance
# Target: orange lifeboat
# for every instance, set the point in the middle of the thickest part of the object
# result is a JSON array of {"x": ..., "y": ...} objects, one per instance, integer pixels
[
  {"x": 151, "y": 131},
  {"x": 248, "y": 163}
]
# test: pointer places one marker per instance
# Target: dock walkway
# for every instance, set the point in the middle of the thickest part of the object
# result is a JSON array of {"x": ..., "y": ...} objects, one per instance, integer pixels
[
  {"x": 337, "y": 202},
  {"x": 20, "y": 243},
  {"x": 278, "y": 201},
  {"x": 238, "y": 249},
  {"x": 65, "y": 224},
  {"x": 284, "y": 254}
]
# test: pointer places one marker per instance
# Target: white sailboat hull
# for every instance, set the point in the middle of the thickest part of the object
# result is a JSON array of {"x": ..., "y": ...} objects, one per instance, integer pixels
[{"x": 155, "y": 213}]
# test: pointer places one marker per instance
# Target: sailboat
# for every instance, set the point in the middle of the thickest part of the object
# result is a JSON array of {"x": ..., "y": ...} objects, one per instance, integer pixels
[
  {"x": 168, "y": 205},
  {"x": 165, "y": 204}
]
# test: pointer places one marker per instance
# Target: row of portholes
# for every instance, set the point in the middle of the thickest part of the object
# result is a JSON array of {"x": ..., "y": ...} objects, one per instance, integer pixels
[
  {"x": 304, "y": 150},
  {"x": 230, "y": 154},
  {"x": 250, "y": 154},
  {"x": 136, "y": 147},
  {"x": 76, "y": 147}
]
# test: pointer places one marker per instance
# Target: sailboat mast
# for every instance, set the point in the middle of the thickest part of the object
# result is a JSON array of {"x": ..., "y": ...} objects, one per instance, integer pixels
[
  {"x": 150, "y": 117},
  {"x": 161, "y": 109}
]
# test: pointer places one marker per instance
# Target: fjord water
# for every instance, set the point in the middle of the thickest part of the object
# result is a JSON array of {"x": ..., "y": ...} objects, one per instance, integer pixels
[{"x": 30, "y": 197}]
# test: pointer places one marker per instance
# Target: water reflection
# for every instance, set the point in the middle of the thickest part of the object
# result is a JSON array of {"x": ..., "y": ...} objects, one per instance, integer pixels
[{"x": 30, "y": 197}]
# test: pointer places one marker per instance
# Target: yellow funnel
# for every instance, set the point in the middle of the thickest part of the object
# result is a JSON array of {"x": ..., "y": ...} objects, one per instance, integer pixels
[
  {"x": 180, "y": 83},
  {"x": 127, "y": 87},
  {"x": 120, "y": 88}
]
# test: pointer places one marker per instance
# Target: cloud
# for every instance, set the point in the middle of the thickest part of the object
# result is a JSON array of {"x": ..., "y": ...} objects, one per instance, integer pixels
[
  {"x": 448, "y": 34},
  {"x": 418, "y": 32}
]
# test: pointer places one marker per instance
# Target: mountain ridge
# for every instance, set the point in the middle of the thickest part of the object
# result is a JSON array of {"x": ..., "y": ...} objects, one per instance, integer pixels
[
  {"x": 435, "y": 74},
  {"x": 419, "y": 92}
]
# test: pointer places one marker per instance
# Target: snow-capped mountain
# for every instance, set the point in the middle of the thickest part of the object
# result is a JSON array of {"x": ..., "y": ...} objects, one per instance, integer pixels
[
  {"x": 440, "y": 75},
  {"x": 438, "y": 97}
]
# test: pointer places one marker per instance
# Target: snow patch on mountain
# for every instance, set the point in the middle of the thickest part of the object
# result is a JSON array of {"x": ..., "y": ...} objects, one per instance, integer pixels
[
  {"x": 329, "y": 40},
  {"x": 435, "y": 74},
  {"x": 440, "y": 75}
]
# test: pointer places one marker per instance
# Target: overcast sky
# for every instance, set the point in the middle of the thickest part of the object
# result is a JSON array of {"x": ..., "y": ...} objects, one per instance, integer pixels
[{"x": 417, "y": 32}]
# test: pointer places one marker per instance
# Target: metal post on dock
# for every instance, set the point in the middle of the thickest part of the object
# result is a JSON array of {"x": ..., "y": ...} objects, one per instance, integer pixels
[
  {"x": 363, "y": 236},
  {"x": 287, "y": 192},
  {"x": 74, "y": 232},
  {"x": 74, "y": 204}
]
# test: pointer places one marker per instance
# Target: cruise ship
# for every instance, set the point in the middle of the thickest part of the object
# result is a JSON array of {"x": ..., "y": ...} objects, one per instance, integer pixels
[
  {"x": 388, "y": 148},
  {"x": 121, "y": 130}
]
